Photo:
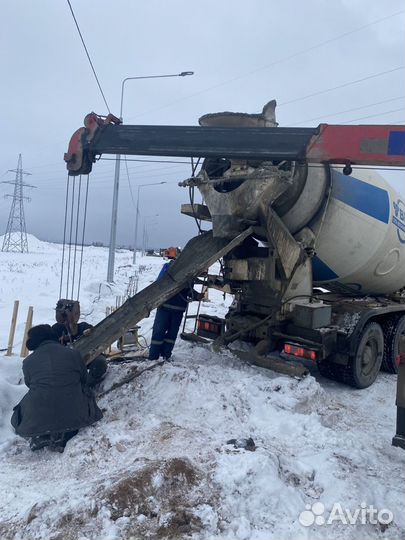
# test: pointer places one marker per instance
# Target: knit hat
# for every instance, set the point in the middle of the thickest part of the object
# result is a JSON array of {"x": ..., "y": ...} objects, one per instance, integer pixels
[{"x": 38, "y": 334}]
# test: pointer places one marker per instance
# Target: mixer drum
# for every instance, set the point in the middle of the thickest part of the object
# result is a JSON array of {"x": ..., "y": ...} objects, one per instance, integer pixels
[
  {"x": 358, "y": 220},
  {"x": 359, "y": 230}
]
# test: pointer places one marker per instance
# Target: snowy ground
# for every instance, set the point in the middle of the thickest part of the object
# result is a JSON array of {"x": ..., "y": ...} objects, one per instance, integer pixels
[{"x": 158, "y": 465}]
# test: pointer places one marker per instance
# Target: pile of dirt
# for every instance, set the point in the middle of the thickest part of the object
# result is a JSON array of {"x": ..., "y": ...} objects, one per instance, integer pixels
[{"x": 159, "y": 498}]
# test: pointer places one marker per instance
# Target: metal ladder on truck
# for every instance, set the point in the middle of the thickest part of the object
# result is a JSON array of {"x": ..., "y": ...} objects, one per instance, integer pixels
[{"x": 193, "y": 336}]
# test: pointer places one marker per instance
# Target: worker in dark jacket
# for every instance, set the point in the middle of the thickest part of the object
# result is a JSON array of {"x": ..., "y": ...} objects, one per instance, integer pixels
[
  {"x": 58, "y": 402},
  {"x": 69, "y": 330},
  {"x": 168, "y": 319}
]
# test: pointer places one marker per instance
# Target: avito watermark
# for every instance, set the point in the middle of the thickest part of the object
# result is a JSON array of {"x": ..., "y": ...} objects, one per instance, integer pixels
[{"x": 362, "y": 515}]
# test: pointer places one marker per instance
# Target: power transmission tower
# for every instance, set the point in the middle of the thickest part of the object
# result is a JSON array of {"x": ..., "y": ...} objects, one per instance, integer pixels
[{"x": 15, "y": 238}]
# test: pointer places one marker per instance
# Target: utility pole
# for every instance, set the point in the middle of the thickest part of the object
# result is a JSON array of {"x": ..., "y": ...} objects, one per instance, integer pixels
[
  {"x": 144, "y": 239},
  {"x": 114, "y": 214},
  {"x": 137, "y": 215},
  {"x": 15, "y": 238}
]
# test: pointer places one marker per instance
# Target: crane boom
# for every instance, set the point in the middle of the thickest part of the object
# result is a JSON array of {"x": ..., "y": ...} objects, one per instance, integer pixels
[{"x": 382, "y": 145}]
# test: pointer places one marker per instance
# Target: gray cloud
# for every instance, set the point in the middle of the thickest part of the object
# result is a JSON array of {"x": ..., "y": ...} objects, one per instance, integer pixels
[{"x": 239, "y": 53}]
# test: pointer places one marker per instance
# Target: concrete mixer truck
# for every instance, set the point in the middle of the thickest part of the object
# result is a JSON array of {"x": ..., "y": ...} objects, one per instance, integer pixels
[{"x": 312, "y": 242}]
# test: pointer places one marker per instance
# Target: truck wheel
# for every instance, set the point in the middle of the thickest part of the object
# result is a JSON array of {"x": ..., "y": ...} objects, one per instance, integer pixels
[
  {"x": 366, "y": 363},
  {"x": 393, "y": 330},
  {"x": 327, "y": 368},
  {"x": 363, "y": 368}
]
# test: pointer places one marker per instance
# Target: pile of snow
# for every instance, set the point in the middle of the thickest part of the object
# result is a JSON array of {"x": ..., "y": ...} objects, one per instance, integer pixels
[{"x": 160, "y": 464}]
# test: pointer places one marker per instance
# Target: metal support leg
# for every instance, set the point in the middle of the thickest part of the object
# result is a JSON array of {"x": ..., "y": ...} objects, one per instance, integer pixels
[{"x": 399, "y": 439}]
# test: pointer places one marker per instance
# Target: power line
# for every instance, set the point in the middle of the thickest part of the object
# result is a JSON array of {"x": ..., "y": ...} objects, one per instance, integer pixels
[
  {"x": 322, "y": 43},
  {"x": 55, "y": 164},
  {"x": 346, "y": 111},
  {"x": 275, "y": 62},
  {"x": 106, "y": 174},
  {"x": 88, "y": 55},
  {"x": 107, "y": 183},
  {"x": 374, "y": 115},
  {"x": 356, "y": 81},
  {"x": 326, "y": 90},
  {"x": 137, "y": 169},
  {"x": 129, "y": 182},
  {"x": 146, "y": 160},
  {"x": 105, "y": 180}
]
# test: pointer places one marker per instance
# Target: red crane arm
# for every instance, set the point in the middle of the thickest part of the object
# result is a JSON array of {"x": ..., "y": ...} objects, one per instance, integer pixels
[
  {"x": 358, "y": 145},
  {"x": 382, "y": 145}
]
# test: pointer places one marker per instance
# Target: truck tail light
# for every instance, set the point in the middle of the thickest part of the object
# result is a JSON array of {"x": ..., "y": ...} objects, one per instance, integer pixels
[
  {"x": 209, "y": 326},
  {"x": 300, "y": 352}
]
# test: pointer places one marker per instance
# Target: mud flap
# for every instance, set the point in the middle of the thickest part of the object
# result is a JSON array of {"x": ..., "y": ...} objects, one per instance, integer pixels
[
  {"x": 199, "y": 254},
  {"x": 274, "y": 363}
]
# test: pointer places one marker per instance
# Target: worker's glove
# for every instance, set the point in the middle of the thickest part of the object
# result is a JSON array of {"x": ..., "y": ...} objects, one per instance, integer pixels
[
  {"x": 87, "y": 331},
  {"x": 64, "y": 339}
]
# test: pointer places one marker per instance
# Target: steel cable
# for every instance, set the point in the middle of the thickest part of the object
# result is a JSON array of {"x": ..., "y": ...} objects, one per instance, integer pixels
[
  {"x": 77, "y": 232},
  {"x": 88, "y": 55},
  {"x": 83, "y": 232},
  {"x": 70, "y": 238},
  {"x": 64, "y": 236}
]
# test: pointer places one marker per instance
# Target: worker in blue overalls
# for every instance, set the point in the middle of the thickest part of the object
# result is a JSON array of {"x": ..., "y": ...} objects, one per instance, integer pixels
[{"x": 168, "y": 318}]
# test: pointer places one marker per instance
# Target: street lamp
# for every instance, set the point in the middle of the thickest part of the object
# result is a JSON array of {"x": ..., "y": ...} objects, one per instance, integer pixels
[
  {"x": 137, "y": 214},
  {"x": 147, "y": 220},
  {"x": 113, "y": 231}
]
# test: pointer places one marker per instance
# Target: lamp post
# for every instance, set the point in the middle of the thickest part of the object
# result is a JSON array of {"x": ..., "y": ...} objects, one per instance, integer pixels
[
  {"x": 113, "y": 231},
  {"x": 147, "y": 220},
  {"x": 137, "y": 214}
]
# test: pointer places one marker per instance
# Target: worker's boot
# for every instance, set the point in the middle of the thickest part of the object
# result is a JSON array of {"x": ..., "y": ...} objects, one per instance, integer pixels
[
  {"x": 57, "y": 448},
  {"x": 57, "y": 443},
  {"x": 39, "y": 442},
  {"x": 59, "y": 440}
]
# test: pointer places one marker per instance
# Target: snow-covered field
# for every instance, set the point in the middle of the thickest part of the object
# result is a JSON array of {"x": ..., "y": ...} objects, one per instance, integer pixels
[{"x": 158, "y": 465}]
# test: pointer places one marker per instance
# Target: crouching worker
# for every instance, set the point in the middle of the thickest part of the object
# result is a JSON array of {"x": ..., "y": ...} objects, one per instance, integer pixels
[
  {"x": 68, "y": 330},
  {"x": 168, "y": 319},
  {"x": 58, "y": 402}
]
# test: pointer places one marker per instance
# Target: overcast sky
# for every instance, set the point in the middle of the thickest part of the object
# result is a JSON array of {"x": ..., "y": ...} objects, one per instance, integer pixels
[{"x": 243, "y": 54}]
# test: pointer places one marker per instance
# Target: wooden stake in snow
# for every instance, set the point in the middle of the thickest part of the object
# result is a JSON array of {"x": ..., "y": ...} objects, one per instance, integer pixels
[
  {"x": 28, "y": 325},
  {"x": 12, "y": 328}
]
